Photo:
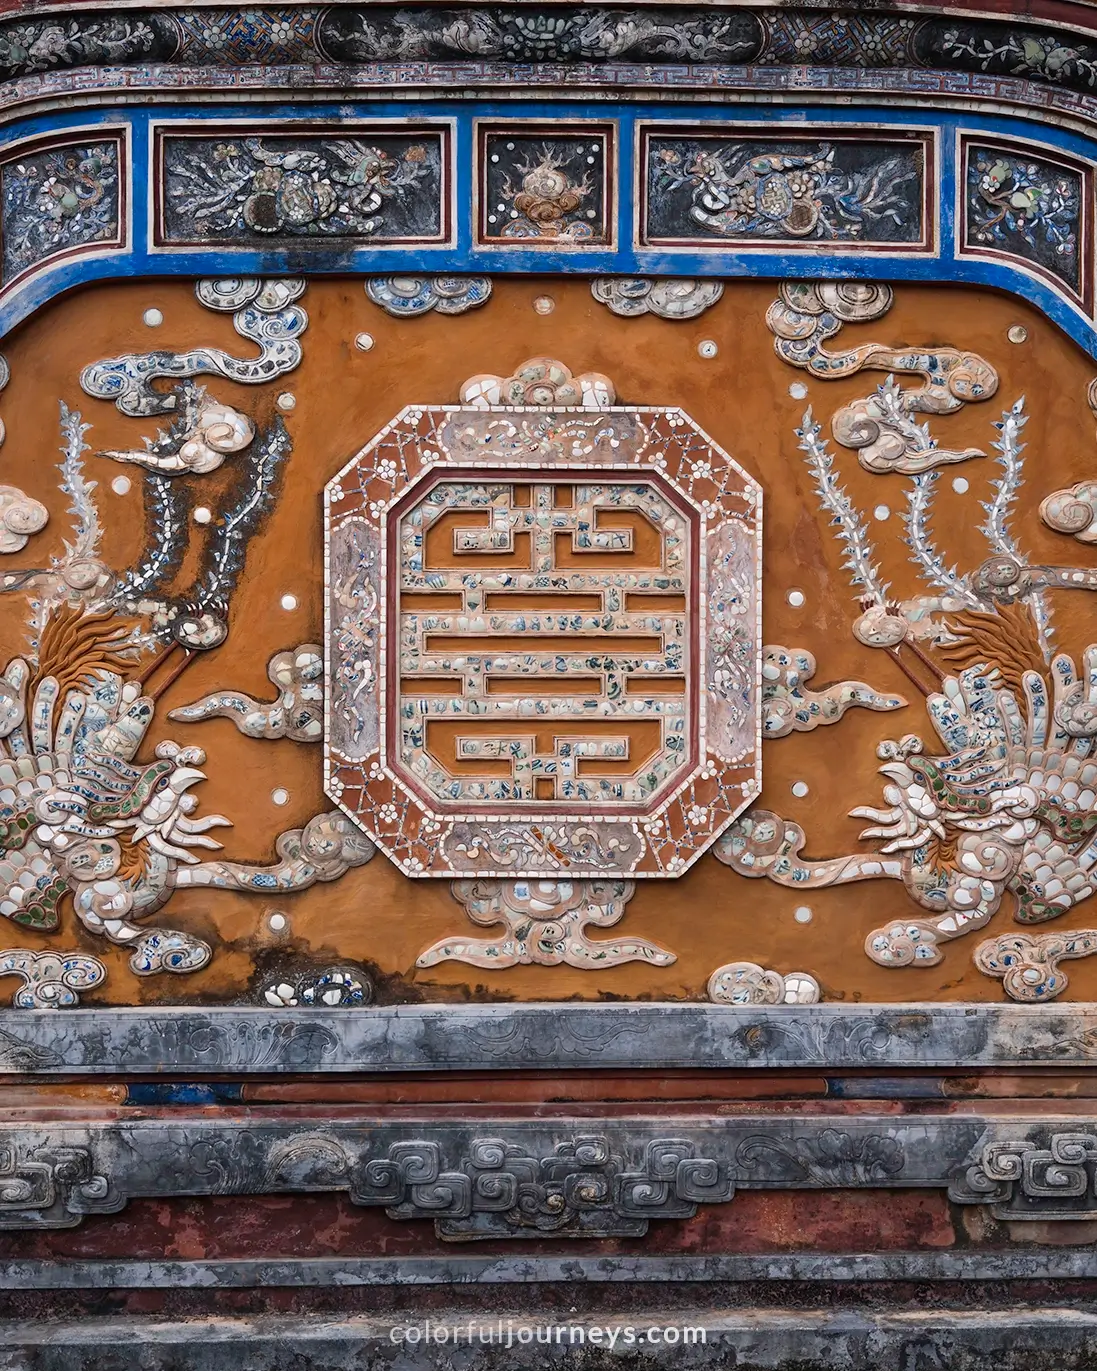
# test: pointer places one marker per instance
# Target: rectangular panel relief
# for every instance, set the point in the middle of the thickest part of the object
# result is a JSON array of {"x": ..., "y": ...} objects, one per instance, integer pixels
[
  {"x": 249, "y": 184},
  {"x": 456, "y": 686},
  {"x": 700, "y": 187},
  {"x": 61, "y": 198},
  {"x": 546, "y": 186},
  {"x": 1023, "y": 204}
]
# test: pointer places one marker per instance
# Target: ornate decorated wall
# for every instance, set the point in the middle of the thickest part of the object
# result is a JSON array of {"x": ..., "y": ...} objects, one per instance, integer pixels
[
  {"x": 548, "y": 683},
  {"x": 920, "y": 456}
]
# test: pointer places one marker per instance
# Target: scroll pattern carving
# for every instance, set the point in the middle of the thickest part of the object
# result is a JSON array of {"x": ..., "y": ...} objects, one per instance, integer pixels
[
  {"x": 408, "y": 296},
  {"x": 788, "y": 705},
  {"x": 21, "y": 517},
  {"x": 583, "y": 1189},
  {"x": 1022, "y": 1180},
  {"x": 746, "y": 983},
  {"x": 51, "y": 980},
  {"x": 297, "y": 713},
  {"x": 52, "y": 1187},
  {"x": 1028, "y": 964},
  {"x": 673, "y": 298},
  {"x": 544, "y": 923},
  {"x": 880, "y": 428},
  {"x": 508, "y": 1179},
  {"x": 264, "y": 312}
]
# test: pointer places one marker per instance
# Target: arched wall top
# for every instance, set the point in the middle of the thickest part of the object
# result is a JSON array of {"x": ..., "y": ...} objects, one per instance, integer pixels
[
  {"x": 162, "y": 139},
  {"x": 773, "y": 184}
]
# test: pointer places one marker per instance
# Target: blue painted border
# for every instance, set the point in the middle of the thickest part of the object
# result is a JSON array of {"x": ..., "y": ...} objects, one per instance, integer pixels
[{"x": 810, "y": 261}]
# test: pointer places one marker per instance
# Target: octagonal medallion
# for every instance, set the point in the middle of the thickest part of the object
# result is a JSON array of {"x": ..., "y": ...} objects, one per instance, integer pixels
[{"x": 543, "y": 641}]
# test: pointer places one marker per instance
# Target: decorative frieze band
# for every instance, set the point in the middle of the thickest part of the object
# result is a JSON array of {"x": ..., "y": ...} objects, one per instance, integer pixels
[
  {"x": 199, "y": 36},
  {"x": 656, "y": 204},
  {"x": 562, "y": 1178}
]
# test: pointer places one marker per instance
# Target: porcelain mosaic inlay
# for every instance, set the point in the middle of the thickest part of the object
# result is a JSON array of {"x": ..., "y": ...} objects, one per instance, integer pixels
[
  {"x": 564, "y": 677},
  {"x": 1021, "y": 205},
  {"x": 60, "y": 199},
  {"x": 544, "y": 642},
  {"x": 829, "y": 187}
]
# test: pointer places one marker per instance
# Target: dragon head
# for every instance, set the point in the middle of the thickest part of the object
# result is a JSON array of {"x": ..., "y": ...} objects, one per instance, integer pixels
[{"x": 157, "y": 806}]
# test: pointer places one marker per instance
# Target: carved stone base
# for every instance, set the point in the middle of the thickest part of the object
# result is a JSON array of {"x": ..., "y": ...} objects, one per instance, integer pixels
[
  {"x": 593, "y": 1176},
  {"x": 1026, "y": 1339}
]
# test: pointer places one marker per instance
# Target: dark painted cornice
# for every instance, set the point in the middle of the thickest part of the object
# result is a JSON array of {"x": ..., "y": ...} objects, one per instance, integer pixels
[{"x": 672, "y": 35}]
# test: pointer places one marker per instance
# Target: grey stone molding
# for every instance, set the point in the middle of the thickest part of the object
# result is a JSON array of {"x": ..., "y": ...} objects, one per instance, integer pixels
[
  {"x": 192, "y": 1043},
  {"x": 1012, "y": 1339},
  {"x": 1021, "y": 1178},
  {"x": 540, "y": 1178},
  {"x": 833, "y": 1268}
]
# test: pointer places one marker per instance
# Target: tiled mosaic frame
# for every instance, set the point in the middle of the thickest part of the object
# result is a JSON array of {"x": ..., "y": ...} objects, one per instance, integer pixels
[
  {"x": 424, "y": 840},
  {"x": 968, "y": 143}
]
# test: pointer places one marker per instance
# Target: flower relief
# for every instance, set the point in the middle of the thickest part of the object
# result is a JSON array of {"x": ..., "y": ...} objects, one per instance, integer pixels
[
  {"x": 384, "y": 187},
  {"x": 1027, "y": 206},
  {"x": 544, "y": 190}
]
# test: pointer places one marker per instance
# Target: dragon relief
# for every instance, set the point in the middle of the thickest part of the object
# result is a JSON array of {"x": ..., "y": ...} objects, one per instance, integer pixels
[
  {"x": 1005, "y": 802},
  {"x": 86, "y": 815},
  {"x": 78, "y": 815}
]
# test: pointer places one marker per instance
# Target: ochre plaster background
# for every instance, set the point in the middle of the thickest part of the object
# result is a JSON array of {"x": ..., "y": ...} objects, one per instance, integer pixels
[{"x": 741, "y": 397}]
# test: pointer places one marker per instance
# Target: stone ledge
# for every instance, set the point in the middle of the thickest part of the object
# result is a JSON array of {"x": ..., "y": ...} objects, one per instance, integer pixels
[
  {"x": 1008, "y": 1339},
  {"x": 977, "y": 1265},
  {"x": 194, "y": 1042}
]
